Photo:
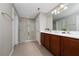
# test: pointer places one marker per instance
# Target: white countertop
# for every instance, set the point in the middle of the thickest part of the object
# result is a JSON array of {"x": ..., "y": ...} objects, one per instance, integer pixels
[{"x": 61, "y": 34}]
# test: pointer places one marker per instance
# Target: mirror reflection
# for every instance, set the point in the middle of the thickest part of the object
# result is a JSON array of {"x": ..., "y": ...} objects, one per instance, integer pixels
[{"x": 66, "y": 17}]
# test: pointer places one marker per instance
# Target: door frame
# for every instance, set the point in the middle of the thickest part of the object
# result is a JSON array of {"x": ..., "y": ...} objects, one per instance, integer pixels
[{"x": 15, "y": 27}]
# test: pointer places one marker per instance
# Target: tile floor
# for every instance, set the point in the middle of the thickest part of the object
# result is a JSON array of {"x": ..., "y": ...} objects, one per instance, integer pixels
[{"x": 30, "y": 49}]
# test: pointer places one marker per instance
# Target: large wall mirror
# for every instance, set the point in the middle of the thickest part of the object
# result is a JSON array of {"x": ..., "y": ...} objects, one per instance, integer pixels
[{"x": 66, "y": 17}]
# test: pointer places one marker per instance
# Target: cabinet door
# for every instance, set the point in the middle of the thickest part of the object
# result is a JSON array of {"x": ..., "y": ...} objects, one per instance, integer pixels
[
  {"x": 47, "y": 40},
  {"x": 42, "y": 39},
  {"x": 55, "y": 45},
  {"x": 70, "y": 47}
]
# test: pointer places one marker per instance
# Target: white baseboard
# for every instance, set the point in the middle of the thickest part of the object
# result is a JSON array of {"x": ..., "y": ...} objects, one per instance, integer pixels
[
  {"x": 26, "y": 41},
  {"x": 11, "y": 51},
  {"x": 29, "y": 40},
  {"x": 20, "y": 42}
]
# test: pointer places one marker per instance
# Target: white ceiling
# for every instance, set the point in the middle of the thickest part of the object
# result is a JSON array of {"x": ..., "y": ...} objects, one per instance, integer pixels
[{"x": 29, "y": 10}]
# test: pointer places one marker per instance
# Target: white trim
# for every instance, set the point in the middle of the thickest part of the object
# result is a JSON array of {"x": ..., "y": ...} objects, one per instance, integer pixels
[
  {"x": 20, "y": 42},
  {"x": 27, "y": 41},
  {"x": 11, "y": 51}
]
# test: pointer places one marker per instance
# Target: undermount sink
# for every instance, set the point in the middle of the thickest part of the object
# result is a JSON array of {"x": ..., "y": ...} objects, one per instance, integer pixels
[{"x": 65, "y": 32}]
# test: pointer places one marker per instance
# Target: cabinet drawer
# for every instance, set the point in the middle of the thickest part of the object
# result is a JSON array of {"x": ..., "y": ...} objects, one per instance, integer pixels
[{"x": 70, "y": 42}]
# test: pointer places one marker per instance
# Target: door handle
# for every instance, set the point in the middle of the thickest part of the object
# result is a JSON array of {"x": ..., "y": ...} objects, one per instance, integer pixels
[{"x": 28, "y": 33}]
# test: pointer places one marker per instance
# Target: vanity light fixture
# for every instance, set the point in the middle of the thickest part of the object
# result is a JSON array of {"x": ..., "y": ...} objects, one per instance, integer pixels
[
  {"x": 62, "y": 6},
  {"x": 59, "y": 9},
  {"x": 54, "y": 12}
]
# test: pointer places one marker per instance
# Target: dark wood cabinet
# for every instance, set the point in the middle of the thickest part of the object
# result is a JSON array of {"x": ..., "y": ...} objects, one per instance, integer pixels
[
  {"x": 55, "y": 45},
  {"x": 60, "y": 45},
  {"x": 69, "y": 46}
]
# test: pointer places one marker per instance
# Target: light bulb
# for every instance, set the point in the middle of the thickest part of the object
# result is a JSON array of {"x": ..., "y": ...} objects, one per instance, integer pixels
[
  {"x": 65, "y": 7},
  {"x": 52, "y": 12},
  {"x": 61, "y": 6},
  {"x": 58, "y": 12}
]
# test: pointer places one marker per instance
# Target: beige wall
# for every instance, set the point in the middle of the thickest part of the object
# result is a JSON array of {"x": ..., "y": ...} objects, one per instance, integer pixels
[
  {"x": 5, "y": 30},
  {"x": 38, "y": 29},
  {"x": 49, "y": 21},
  {"x": 43, "y": 21}
]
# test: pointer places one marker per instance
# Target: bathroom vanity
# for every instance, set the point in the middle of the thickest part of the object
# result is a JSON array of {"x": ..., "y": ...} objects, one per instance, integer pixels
[{"x": 61, "y": 44}]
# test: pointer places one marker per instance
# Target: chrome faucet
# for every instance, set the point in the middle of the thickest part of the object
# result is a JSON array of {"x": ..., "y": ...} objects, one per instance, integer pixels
[{"x": 48, "y": 29}]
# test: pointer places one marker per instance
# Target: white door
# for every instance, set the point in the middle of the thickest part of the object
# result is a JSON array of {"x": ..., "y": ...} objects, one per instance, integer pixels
[
  {"x": 27, "y": 32},
  {"x": 23, "y": 30},
  {"x": 31, "y": 30}
]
